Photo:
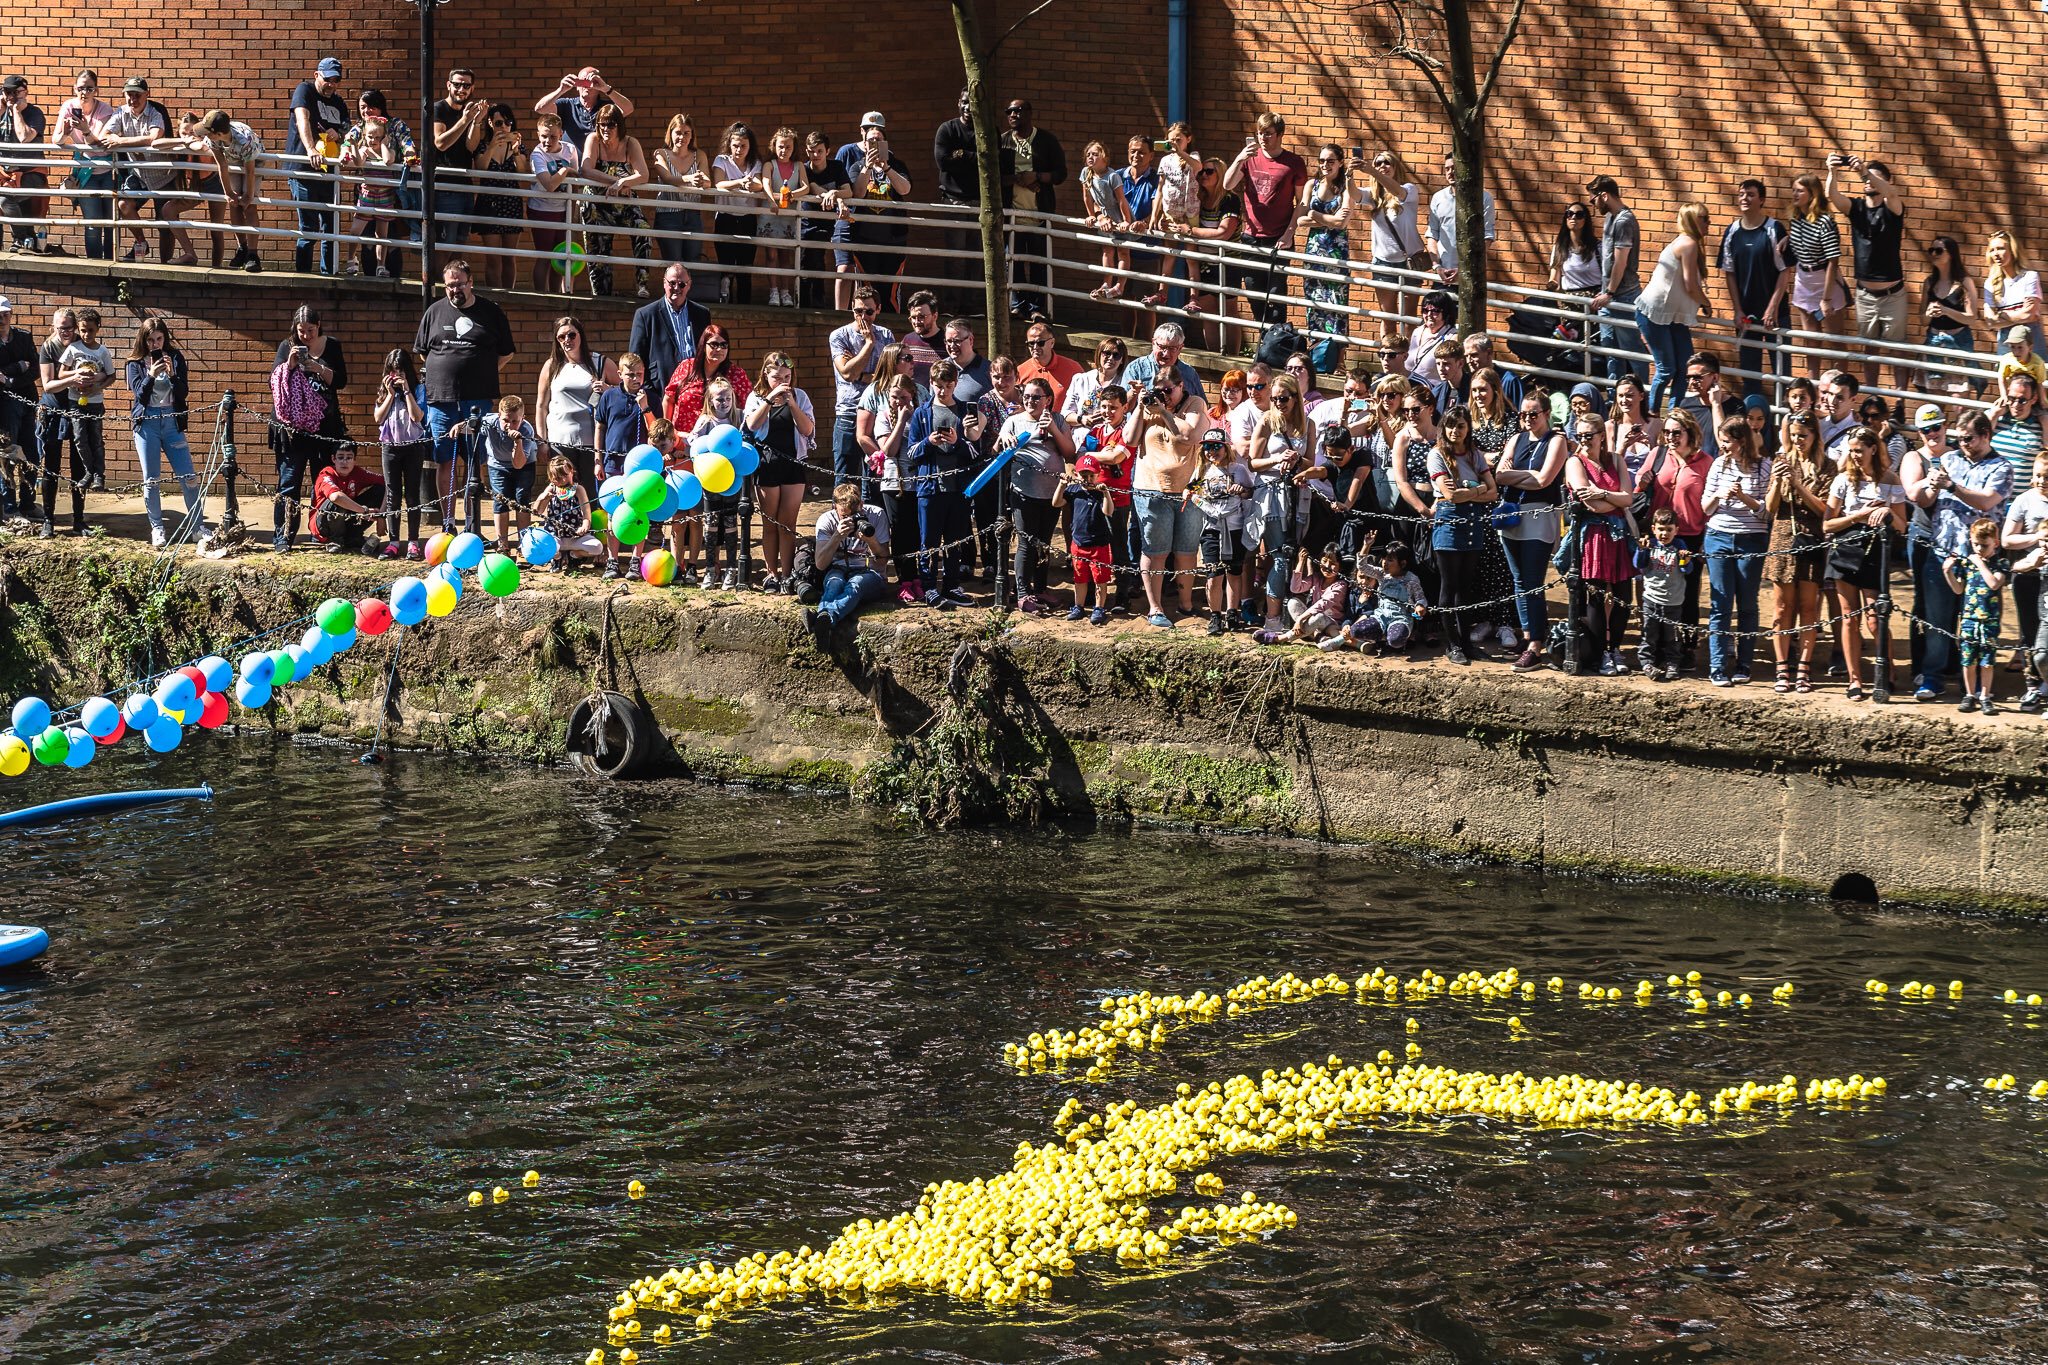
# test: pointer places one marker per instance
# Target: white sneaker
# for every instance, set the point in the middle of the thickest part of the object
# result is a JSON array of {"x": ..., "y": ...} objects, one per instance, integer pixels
[
  {"x": 1620, "y": 663},
  {"x": 157, "y": 538},
  {"x": 1610, "y": 665},
  {"x": 1507, "y": 638},
  {"x": 708, "y": 580}
]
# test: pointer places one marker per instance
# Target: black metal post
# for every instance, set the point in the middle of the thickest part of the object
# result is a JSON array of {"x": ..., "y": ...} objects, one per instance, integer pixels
[
  {"x": 746, "y": 560},
  {"x": 428, "y": 153},
  {"x": 231, "y": 508},
  {"x": 1002, "y": 541},
  {"x": 1881, "y": 614},
  {"x": 1574, "y": 591}
]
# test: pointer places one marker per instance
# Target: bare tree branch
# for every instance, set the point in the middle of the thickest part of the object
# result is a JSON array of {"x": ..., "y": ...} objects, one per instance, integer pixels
[
  {"x": 1500, "y": 54},
  {"x": 1045, "y": 5},
  {"x": 1406, "y": 50}
]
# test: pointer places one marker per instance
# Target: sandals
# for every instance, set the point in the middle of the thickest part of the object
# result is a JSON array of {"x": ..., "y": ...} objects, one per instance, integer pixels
[
  {"x": 1855, "y": 692},
  {"x": 1802, "y": 683},
  {"x": 1784, "y": 681}
]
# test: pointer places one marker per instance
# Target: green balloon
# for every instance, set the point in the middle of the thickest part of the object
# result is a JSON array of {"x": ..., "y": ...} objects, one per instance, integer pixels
[
  {"x": 281, "y": 673},
  {"x": 645, "y": 490},
  {"x": 498, "y": 575},
  {"x": 337, "y": 616},
  {"x": 598, "y": 520},
  {"x": 630, "y": 526},
  {"x": 51, "y": 746}
]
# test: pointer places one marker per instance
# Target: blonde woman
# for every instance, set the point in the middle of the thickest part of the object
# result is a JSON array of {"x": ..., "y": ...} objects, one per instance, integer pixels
[
  {"x": 780, "y": 419},
  {"x": 2012, "y": 293},
  {"x": 1673, "y": 301},
  {"x": 1797, "y": 506},
  {"x": 1282, "y": 457},
  {"x": 682, "y": 168},
  {"x": 1396, "y": 240}
]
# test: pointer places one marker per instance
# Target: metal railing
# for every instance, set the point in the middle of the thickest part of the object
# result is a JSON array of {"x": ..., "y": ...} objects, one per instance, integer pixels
[{"x": 1205, "y": 283}]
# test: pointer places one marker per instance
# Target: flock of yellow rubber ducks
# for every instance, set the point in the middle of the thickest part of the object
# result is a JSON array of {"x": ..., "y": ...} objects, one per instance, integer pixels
[{"x": 1104, "y": 1187}]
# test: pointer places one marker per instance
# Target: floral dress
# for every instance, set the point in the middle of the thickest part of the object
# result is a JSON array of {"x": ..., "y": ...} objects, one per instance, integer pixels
[{"x": 1327, "y": 292}]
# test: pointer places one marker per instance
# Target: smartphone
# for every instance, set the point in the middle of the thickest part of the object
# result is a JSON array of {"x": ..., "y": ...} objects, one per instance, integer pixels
[{"x": 1358, "y": 152}]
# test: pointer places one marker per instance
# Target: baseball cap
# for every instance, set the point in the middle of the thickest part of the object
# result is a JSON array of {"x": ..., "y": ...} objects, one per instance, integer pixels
[
  {"x": 6, "y": 304},
  {"x": 873, "y": 119},
  {"x": 330, "y": 67},
  {"x": 13, "y": 83},
  {"x": 1087, "y": 464},
  {"x": 135, "y": 85},
  {"x": 2015, "y": 333},
  {"x": 1216, "y": 436},
  {"x": 1927, "y": 416}
]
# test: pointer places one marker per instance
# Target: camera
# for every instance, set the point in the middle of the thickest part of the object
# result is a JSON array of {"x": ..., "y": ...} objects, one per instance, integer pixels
[
  {"x": 862, "y": 527},
  {"x": 1156, "y": 394}
]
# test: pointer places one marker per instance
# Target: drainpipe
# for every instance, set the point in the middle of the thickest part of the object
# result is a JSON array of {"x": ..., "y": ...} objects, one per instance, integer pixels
[{"x": 1177, "y": 60}]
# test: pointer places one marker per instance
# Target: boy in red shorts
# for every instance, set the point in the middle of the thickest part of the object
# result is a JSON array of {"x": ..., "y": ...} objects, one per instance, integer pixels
[{"x": 1091, "y": 501}]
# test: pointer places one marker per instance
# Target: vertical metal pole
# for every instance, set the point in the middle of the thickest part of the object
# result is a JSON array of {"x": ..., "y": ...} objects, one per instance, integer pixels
[
  {"x": 429, "y": 156},
  {"x": 1881, "y": 613},
  {"x": 231, "y": 509},
  {"x": 746, "y": 560},
  {"x": 1003, "y": 542}
]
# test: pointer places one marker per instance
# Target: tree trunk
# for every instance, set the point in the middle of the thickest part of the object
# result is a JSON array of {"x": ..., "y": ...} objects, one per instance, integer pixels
[
  {"x": 1468, "y": 123},
  {"x": 987, "y": 153}
]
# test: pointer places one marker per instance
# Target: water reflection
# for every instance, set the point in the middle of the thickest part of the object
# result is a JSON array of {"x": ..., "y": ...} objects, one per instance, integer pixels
[{"x": 280, "y": 1038}]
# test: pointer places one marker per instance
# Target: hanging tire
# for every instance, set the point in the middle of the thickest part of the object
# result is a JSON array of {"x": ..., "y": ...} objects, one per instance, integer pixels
[{"x": 609, "y": 736}]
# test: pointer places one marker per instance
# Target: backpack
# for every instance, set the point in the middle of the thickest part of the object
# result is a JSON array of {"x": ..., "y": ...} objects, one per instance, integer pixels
[
  {"x": 1277, "y": 343},
  {"x": 810, "y": 584}
]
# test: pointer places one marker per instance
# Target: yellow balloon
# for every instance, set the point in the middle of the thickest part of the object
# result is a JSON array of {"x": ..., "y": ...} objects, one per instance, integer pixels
[
  {"x": 715, "y": 472},
  {"x": 440, "y": 598},
  {"x": 13, "y": 757},
  {"x": 178, "y": 716}
]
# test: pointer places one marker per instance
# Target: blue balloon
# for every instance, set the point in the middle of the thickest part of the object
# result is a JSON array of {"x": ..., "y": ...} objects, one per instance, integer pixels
[
  {"x": 176, "y": 693},
  {"x": 302, "y": 662},
  {"x": 80, "y": 752},
  {"x": 31, "y": 717},
  {"x": 642, "y": 456},
  {"x": 688, "y": 491},
  {"x": 666, "y": 508},
  {"x": 447, "y": 574},
  {"x": 342, "y": 643},
  {"x": 408, "y": 601},
  {"x": 727, "y": 439},
  {"x": 539, "y": 546},
  {"x": 253, "y": 695},
  {"x": 140, "y": 711},
  {"x": 317, "y": 644},
  {"x": 99, "y": 717},
  {"x": 259, "y": 668},
  {"x": 745, "y": 460},
  {"x": 219, "y": 672},
  {"x": 466, "y": 551},
  {"x": 163, "y": 735},
  {"x": 611, "y": 494}
]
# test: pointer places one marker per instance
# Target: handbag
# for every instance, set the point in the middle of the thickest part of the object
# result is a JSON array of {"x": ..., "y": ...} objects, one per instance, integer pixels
[
  {"x": 1507, "y": 513},
  {"x": 1640, "y": 504}
]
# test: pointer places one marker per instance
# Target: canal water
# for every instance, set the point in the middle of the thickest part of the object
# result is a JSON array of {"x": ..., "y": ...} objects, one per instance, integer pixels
[{"x": 281, "y": 1037}]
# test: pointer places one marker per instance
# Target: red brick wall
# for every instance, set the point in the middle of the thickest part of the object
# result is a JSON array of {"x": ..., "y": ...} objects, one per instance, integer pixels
[{"x": 230, "y": 336}]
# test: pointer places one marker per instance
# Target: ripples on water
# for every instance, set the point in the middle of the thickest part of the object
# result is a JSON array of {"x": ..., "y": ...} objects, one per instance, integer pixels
[{"x": 279, "y": 1039}]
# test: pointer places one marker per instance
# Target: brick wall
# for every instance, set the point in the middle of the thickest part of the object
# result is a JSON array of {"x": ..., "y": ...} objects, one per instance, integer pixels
[{"x": 230, "y": 336}]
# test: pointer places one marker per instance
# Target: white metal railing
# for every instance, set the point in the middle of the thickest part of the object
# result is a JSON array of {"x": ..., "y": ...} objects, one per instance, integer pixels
[{"x": 939, "y": 250}]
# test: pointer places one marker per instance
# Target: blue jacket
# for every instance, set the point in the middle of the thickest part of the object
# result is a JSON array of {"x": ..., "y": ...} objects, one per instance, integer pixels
[
  {"x": 931, "y": 469},
  {"x": 139, "y": 385}
]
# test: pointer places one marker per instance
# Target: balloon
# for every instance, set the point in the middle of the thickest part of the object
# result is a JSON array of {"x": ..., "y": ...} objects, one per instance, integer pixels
[
  {"x": 644, "y": 490},
  {"x": 539, "y": 547},
  {"x": 82, "y": 748},
  {"x": 745, "y": 460},
  {"x": 217, "y": 672},
  {"x": 252, "y": 695},
  {"x": 408, "y": 601},
  {"x": 297, "y": 666},
  {"x": 258, "y": 668},
  {"x": 341, "y": 644},
  {"x": 191, "y": 673},
  {"x": 163, "y": 736},
  {"x": 630, "y": 526},
  {"x": 317, "y": 646},
  {"x": 213, "y": 711},
  {"x": 437, "y": 548},
  {"x": 642, "y": 457},
  {"x": 175, "y": 693},
  {"x": 467, "y": 552},
  {"x": 50, "y": 746},
  {"x": 611, "y": 494},
  {"x": 667, "y": 507},
  {"x": 139, "y": 711},
  {"x": 725, "y": 439},
  {"x": 715, "y": 472},
  {"x": 448, "y": 574},
  {"x": 440, "y": 598},
  {"x": 658, "y": 567},
  {"x": 373, "y": 616},
  {"x": 599, "y": 520},
  {"x": 688, "y": 492},
  {"x": 31, "y": 717},
  {"x": 499, "y": 575},
  {"x": 13, "y": 756},
  {"x": 99, "y": 717},
  {"x": 337, "y": 616},
  {"x": 120, "y": 732}
]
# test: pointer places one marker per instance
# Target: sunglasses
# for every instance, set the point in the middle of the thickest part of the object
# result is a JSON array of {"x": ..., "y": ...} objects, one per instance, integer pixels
[
  {"x": 1410, "y": 410},
  {"x": 1575, "y": 213},
  {"x": 1206, "y": 173},
  {"x": 1035, "y": 342},
  {"x": 863, "y": 312},
  {"x": 713, "y": 341},
  {"x": 1283, "y": 398},
  {"x": 1256, "y": 388},
  {"x": 567, "y": 336},
  {"x": 1017, "y": 110}
]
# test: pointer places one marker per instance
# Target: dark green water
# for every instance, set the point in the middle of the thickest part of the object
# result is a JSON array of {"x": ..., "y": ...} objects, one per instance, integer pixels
[{"x": 281, "y": 1037}]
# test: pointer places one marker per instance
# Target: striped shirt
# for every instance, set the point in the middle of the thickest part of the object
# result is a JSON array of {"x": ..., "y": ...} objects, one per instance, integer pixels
[
  {"x": 1815, "y": 241},
  {"x": 1732, "y": 517},
  {"x": 2018, "y": 439}
]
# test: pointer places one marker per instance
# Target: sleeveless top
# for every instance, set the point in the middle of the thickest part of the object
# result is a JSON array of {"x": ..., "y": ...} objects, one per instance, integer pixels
[
  {"x": 781, "y": 437},
  {"x": 572, "y": 420},
  {"x": 1602, "y": 558},
  {"x": 1664, "y": 299},
  {"x": 559, "y": 513}
]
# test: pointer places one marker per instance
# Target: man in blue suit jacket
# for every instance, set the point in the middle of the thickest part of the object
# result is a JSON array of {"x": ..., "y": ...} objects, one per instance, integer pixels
[{"x": 666, "y": 332}]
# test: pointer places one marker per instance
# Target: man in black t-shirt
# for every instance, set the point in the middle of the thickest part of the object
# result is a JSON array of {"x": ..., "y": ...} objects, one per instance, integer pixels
[
  {"x": 459, "y": 126},
  {"x": 830, "y": 187},
  {"x": 1877, "y": 222},
  {"x": 465, "y": 341},
  {"x": 22, "y": 128},
  {"x": 319, "y": 116}
]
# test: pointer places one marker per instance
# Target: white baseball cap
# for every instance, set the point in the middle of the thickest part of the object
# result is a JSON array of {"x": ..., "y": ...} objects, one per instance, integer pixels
[
  {"x": 6, "y": 304},
  {"x": 873, "y": 119}
]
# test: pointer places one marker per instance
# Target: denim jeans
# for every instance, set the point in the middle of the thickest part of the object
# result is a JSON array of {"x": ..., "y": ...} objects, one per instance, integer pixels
[
  {"x": 1528, "y": 567},
  {"x": 314, "y": 224},
  {"x": 157, "y": 438},
  {"x": 99, "y": 241},
  {"x": 1619, "y": 321},
  {"x": 941, "y": 527},
  {"x": 846, "y": 591},
  {"x": 1276, "y": 535},
  {"x": 1733, "y": 584},
  {"x": 1938, "y": 605},
  {"x": 678, "y": 248},
  {"x": 1670, "y": 347},
  {"x": 1754, "y": 356},
  {"x": 849, "y": 461},
  {"x": 451, "y": 201}
]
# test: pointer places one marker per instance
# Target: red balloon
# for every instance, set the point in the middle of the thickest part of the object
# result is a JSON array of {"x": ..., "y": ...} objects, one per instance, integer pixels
[
  {"x": 120, "y": 730},
  {"x": 373, "y": 616},
  {"x": 213, "y": 710},
  {"x": 197, "y": 679}
]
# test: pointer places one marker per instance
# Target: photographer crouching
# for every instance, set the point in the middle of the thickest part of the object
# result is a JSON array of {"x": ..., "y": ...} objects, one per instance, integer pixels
[{"x": 853, "y": 542}]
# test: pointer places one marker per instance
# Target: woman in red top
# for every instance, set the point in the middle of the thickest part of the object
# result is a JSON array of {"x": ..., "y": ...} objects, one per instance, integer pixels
[
  {"x": 1681, "y": 482},
  {"x": 685, "y": 397}
]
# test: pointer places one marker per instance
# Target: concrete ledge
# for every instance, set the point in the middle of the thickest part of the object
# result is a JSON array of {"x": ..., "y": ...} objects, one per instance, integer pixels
[{"x": 1614, "y": 775}]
